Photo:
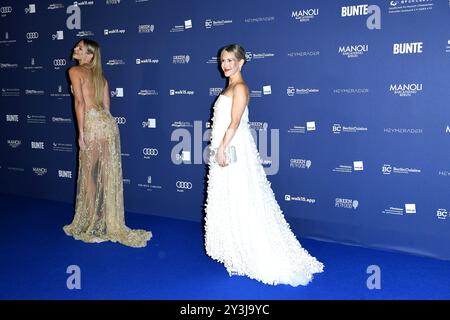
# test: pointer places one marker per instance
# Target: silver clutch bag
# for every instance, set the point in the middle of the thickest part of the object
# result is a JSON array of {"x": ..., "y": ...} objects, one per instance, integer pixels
[{"x": 230, "y": 155}]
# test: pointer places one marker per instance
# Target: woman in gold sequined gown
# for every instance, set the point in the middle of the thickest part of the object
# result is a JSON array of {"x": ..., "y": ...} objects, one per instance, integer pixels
[{"x": 99, "y": 208}]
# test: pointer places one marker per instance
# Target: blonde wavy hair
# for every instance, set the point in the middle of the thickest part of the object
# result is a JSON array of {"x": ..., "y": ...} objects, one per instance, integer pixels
[{"x": 95, "y": 65}]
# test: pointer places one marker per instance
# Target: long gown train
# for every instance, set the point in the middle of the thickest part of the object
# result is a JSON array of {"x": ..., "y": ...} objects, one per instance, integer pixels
[
  {"x": 99, "y": 208},
  {"x": 244, "y": 225}
]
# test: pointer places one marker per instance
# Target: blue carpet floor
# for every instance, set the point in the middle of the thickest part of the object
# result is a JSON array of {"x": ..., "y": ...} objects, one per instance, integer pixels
[{"x": 35, "y": 254}]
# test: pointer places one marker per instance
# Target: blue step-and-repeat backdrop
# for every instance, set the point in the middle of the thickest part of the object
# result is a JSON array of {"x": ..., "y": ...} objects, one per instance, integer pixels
[{"x": 350, "y": 107}]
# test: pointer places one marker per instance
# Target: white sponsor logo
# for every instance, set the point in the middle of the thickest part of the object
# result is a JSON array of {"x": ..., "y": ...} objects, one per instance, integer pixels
[
  {"x": 7, "y": 92},
  {"x": 14, "y": 143},
  {"x": 59, "y": 35},
  {"x": 353, "y": 51},
  {"x": 37, "y": 145},
  {"x": 442, "y": 214},
  {"x": 346, "y": 203},
  {"x": 55, "y": 6},
  {"x": 120, "y": 120},
  {"x": 310, "y": 126},
  {"x": 358, "y": 165},
  {"x": 388, "y": 169},
  {"x": 12, "y": 118},
  {"x": 407, "y": 48},
  {"x": 40, "y": 171},
  {"x": 181, "y": 124},
  {"x": 406, "y": 90},
  {"x": 30, "y": 9},
  {"x": 148, "y": 92},
  {"x": 410, "y": 208},
  {"x": 32, "y": 35},
  {"x": 174, "y": 92},
  {"x": 32, "y": 92},
  {"x": 373, "y": 21},
  {"x": 213, "y": 60},
  {"x": 85, "y": 33},
  {"x": 259, "y": 19},
  {"x": 304, "y": 54},
  {"x": 62, "y": 147},
  {"x": 83, "y": 3},
  {"x": 5, "y": 10},
  {"x": 216, "y": 23},
  {"x": 305, "y": 15},
  {"x": 146, "y": 60},
  {"x": 184, "y": 185},
  {"x": 149, "y": 152},
  {"x": 403, "y": 130},
  {"x": 38, "y": 119},
  {"x": 300, "y": 163},
  {"x": 150, "y": 123},
  {"x": 8, "y": 65},
  {"x": 146, "y": 28},
  {"x": 117, "y": 93},
  {"x": 288, "y": 197},
  {"x": 115, "y": 62},
  {"x": 410, "y": 6},
  {"x": 65, "y": 174},
  {"x": 338, "y": 128},
  {"x": 181, "y": 59},
  {"x": 351, "y": 91},
  {"x": 184, "y": 156},
  {"x": 215, "y": 91},
  {"x": 292, "y": 91},
  {"x": 107, "y": 32},
  {"x": 267, "y": 90},
  {"x": 58, "y": 63},
  {"x": 149, "y": 185},
  {"x": 61, "y": 120}
]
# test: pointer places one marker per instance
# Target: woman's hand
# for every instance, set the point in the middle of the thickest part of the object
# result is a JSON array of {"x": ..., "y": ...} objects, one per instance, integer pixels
[
  {"x": 81, "y": 143},
  {"x": 220, "y": 157}
]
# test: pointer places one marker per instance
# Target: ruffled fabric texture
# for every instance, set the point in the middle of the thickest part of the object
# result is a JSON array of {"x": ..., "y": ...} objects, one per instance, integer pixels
[{"x": 245, "y": 228}]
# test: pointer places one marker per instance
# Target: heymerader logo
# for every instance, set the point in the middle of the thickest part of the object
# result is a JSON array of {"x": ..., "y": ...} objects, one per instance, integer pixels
[
  {"x": 354, "y": 51},
  {"x": 406, "y": 90},
  {"x": 373, "y": 21},
  {"x": 305, "y": 15}
]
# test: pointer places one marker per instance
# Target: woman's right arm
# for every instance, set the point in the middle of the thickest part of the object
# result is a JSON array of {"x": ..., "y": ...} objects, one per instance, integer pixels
[
  {"x": 106, "y": 100},
  {"x": 80, "y": 105}
]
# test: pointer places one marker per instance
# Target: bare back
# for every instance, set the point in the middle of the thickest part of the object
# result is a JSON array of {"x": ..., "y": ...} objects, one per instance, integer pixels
[{"x": 86, "y": 84}]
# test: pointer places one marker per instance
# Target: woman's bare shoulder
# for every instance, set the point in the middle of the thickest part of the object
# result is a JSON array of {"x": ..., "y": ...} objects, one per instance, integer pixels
[{"x": 240, "y": 88}]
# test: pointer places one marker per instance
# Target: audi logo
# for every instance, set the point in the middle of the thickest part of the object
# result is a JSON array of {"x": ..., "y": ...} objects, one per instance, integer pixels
[
  {"x": 120, "y": 120},
  {"x": 184, "y": 185},
  {"x": 6, "y": 9},
  {"x": 59, "y": 62},
  {"x": 150, "y": 152},
  {"x": 32, "y": 35}
]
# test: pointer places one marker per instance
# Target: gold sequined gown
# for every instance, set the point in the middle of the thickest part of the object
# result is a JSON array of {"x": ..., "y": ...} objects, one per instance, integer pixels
[{"x": 99, "y": 208}]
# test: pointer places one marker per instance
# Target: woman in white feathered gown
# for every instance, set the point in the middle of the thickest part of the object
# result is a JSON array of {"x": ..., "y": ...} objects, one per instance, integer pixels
[{"x": 244, "y": 225}]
